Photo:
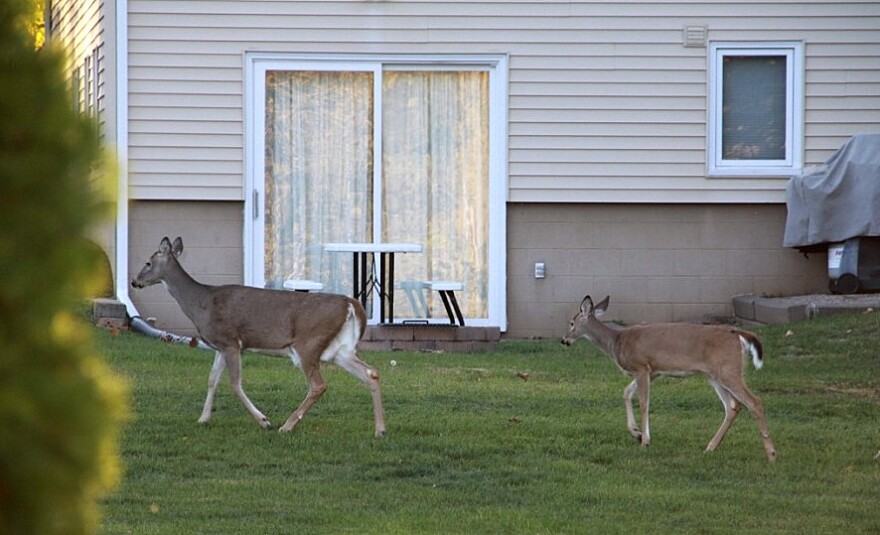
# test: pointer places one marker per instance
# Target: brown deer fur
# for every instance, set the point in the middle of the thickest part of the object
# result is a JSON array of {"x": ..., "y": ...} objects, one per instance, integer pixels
[
  {"x": 307, "y": 327},
  {"x": 656, "y": 349}
]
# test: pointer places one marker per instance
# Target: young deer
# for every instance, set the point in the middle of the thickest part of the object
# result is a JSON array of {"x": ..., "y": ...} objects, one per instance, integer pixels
[
  {"x": 307, "y": 327},
  {"x": 653, "y": 350}
]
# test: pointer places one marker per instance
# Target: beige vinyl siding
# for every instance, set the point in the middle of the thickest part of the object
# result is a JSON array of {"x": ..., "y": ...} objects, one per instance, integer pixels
[
  {"x": 78, "y": 27},
  {"x": 81, "y": 28},
  {"x": 185, "y": 125},
  {"x": 605, "y": 104}
]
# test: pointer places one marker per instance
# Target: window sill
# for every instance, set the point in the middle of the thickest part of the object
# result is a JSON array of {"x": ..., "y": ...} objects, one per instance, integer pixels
[{"x": 753, "y": 172}]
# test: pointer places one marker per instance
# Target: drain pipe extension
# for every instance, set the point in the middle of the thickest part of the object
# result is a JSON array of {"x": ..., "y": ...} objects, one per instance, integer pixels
[{"x": 142, "y": 326}]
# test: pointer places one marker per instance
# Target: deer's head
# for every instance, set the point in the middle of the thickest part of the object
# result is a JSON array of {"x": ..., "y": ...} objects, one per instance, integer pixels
[
  {"x": 156, "y": 267},
  {"x": 580, "y": 322}
]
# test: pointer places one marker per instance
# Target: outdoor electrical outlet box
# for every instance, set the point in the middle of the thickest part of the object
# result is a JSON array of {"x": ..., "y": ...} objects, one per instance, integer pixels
[{"x": 540, "y": 270}]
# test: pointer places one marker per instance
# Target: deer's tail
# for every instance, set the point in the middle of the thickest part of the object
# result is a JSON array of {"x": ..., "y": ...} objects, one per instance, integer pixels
[
  {"x": 356, "y": 312},
  {"x": 752, "y": 345}
]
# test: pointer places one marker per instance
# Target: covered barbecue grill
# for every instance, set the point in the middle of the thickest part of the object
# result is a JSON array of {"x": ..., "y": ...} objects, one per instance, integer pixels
[{"x": 836, "y": 206}]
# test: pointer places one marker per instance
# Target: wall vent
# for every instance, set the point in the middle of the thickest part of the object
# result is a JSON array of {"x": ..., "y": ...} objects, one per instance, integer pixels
[{"x": 694, "y": 36}]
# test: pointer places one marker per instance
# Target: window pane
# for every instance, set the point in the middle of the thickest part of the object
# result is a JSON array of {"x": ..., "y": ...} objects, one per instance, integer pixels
[
  {"x": 318, "y": 173},
  {"x": 435, "y": 167},
  {"x": 753, "y": 114}
]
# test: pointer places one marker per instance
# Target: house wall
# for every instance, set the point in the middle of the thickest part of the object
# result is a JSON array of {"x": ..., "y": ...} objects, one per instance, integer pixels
[
  {"x": 606, "y": 104},
  {"x": 212, "y": 240},
  {"x": 607, "y": 137},
  {"x": 78, "y": 27},
  {"x": 658, "y": 262},
  {"x": 83, "y": 28}
]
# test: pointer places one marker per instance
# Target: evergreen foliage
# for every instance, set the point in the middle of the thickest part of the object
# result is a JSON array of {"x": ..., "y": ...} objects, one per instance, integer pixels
[{"x": 60, "y": 406}]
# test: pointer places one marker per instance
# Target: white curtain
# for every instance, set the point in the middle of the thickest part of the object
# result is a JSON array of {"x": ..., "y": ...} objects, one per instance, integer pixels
[
  {"x": 319, "y": 168},
  {"x": 435, "y": 169},
  {"x": 434, "y": 184}
]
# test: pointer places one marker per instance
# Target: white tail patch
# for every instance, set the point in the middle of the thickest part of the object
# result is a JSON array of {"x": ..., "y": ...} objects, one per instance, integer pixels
[
  {"x": 345, "y": 342},
  {"x": 747, "y": 346}
]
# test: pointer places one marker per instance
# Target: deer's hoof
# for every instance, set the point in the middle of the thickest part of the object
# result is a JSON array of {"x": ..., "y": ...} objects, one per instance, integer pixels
[
  {"x": 266, "y": 424},
  {"x": 380, "y": 434}
]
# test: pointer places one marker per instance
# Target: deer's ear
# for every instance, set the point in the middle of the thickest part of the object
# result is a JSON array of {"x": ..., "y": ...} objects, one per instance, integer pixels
[
  {"x": 586, "y": 305},
  {"x": 178, "y": 246},
  {"x": 165, "y": 245},
  {"x": 602, "y": 306}
]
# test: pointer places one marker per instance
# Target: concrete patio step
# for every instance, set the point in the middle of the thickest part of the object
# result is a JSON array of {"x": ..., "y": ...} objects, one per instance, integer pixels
[{"x": 781, "y": 310}]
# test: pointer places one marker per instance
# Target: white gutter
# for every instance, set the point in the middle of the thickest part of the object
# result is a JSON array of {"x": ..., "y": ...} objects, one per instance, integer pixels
[{"x": 122, "y": 158}]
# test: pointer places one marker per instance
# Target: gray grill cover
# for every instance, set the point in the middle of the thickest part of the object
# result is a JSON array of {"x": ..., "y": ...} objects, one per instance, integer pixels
[{"x": 840, "y": 199}]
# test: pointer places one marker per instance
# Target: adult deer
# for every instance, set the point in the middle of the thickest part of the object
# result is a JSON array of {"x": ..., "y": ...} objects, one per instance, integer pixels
[
  {"x": 652, "y": 350},
  {"x": 310, "y": 328}
]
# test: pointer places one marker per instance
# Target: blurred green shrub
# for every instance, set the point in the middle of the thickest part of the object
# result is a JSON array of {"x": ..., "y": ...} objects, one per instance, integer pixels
[{"x": 60, "y": 406}]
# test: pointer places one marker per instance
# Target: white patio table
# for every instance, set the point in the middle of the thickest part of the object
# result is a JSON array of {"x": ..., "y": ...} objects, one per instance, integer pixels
[{"x": 364, "y": 280}]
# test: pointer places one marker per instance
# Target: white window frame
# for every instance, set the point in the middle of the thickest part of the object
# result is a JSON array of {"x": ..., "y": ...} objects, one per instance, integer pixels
[
  {"x": 794, "y": 110},
  {"x": 256, "y": 64}
]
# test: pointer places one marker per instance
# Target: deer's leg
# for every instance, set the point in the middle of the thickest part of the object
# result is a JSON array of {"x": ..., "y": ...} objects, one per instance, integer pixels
[
  {"x": 753, "y": 403},
  {"x": 731, "y": 411},
  {"x": 317, "y": 387},
  {"x": 370, "y": 377},
  {"x": 213, "y": 381},
  {"x": 643, "y": 386},
  {"x": 631, "y": 426},
  {"x": 233, "y": 363}
]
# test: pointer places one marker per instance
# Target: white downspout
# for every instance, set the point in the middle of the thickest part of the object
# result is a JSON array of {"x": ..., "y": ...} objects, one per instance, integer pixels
[
  {"x": 137, "y": 323},
  {"x": 122, "y": 158}
]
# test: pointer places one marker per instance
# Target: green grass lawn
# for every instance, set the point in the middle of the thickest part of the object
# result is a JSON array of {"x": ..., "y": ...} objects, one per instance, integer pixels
[{"x": 474, "y": 448}]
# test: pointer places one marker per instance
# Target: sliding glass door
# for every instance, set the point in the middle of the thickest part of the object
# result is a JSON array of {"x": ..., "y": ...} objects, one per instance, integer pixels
[{"x": 377, "y": 151}]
